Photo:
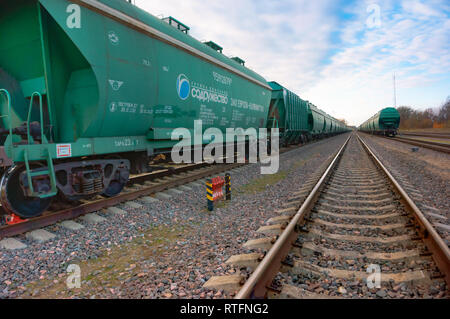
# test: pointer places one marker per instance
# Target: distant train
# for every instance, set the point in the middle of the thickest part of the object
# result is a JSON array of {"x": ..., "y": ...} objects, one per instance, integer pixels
[
  {"x": 299, "y": 120},
  {"x": 91, "y": 90},
  {"x": 386, "y": 122}
]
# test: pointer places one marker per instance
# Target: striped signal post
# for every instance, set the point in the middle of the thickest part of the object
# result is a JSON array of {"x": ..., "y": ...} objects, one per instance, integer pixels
[
  {"x": 228, "y": 186},
  {"x": 210, "y": 195}
]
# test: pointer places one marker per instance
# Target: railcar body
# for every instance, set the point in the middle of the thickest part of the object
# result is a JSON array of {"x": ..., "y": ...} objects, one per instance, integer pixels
[
  {"x": 320, "y": 123},
  {"x": 289, "y": 113},
  {"x": 385, "y": 122},
  {"x": 316, "y": 120},
  {"x": 106, "y": 82},
  {"x": 297, "y": 119},
  {"x": 90, "y": 89}
]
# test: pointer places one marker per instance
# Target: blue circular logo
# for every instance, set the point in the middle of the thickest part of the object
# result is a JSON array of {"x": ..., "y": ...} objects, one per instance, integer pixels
[{"x": 183, "y": 87}]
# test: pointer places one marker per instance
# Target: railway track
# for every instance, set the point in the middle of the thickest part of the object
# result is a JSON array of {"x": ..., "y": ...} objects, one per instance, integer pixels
[
  {"x": 436, "y": 146},
  {"x": 428, "y": 134},
  {"x": 138, "y": 186},
  {"x": 433, "y": 145},
  {"x": 352, "y": 218}
]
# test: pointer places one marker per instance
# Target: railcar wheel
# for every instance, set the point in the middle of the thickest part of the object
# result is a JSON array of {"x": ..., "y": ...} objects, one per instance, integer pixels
[
  {"x": 114, "y": 189},
  {"x": 13, "y": 199}
]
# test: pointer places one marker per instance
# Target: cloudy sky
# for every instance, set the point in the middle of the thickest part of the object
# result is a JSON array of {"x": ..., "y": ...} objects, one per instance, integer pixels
[{"x": 340, "y": 55}]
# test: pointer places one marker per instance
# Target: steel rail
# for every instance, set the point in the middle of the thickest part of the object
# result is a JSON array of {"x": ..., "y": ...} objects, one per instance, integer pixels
[
  {"x": 436, "y": 245},
  {"x": 439, "y": 147},
  {"x": 96, "y": 205},
  {"x": 435, "y": 147},
  {"x": 255, "y": 286},
  {"x": 444, "y": 145},
  {"x": 142, "y": 178},
  {"x": 427, "y": 134},
  {"x": 261, "y": 278},
  {"x": 164, "y": 172},
  {"x": 51, "y": 218}
]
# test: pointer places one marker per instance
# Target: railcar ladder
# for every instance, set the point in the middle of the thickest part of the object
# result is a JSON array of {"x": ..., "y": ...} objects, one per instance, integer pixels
[
  {"x": 50, "y": 172},
  {"x": 8, "y": 116}
]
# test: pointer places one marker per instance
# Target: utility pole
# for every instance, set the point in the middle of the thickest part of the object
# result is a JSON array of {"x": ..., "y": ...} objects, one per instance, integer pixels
[{"x": 395, "y": 93}]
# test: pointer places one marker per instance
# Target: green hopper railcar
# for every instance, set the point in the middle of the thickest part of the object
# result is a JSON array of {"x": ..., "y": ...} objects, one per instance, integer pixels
[
  {"x": 316, "y": 120},
  {"x": 386, "y": 122},
  {"x": 289, "y": 113},
  {"x": 92, "y": 89},
  {"x": 321, "y": 124},
  {"x": 297, "y": 119}
]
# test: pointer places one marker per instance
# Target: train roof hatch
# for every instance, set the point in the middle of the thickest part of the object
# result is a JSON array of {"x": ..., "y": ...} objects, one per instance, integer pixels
[
  {"x": 214, "y": 46},
  {"x": 177, "y": 24},
  {"x": 238, "y": 60}
]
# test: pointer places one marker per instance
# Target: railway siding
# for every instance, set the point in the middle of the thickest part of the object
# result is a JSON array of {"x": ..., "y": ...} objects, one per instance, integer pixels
[
  {"x": 329, "y": 246},
  {"x": 424, "y": 175},
  {"x": 174, "y": 245}
]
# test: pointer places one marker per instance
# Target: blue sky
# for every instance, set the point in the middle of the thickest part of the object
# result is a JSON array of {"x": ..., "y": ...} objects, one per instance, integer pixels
[{"x": 340, "y": 55}]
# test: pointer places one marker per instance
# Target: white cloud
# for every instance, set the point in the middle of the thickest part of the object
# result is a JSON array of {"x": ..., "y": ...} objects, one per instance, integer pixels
[
  {"x": 291, "y": 42},
  {"x": 421, "y": 10},
  {"x": 359, "y": 80},
  {"x": 282, "y": 40}
]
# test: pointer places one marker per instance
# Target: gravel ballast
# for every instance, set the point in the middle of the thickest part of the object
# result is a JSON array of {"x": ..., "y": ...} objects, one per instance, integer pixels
[
  {"x": 165, "y": 249},
  {"x": 334, "y": 257},
  {"x": 425, "y": 176}
]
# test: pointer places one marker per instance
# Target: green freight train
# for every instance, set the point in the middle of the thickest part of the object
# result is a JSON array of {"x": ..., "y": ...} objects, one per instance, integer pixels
[
  {"x": 386, "y": 122},
  {"x": 299, "y": 120},
  {"x": 289, "y": 113},
  {"x": 91, "y": 89},
  {"x": 108, "y": 78}
]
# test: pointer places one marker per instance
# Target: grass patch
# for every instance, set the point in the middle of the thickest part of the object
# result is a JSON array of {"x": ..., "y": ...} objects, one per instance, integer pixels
[
  {"x": 222, "y": 203},
  {"x": 299, "y": 164},
  {"x": 260, "y": 184},
  {"x": 113, "y": 266}
]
